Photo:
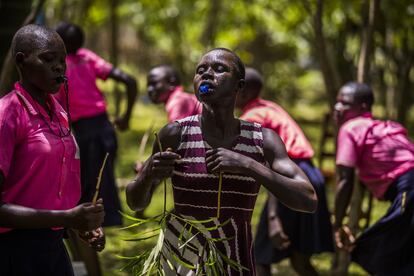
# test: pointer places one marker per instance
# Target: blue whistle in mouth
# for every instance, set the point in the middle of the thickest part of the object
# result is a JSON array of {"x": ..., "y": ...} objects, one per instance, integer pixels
[{"x": 203, "y": 89}]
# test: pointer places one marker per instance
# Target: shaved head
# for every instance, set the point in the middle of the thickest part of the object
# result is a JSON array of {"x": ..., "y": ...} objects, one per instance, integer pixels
[
  {"x": 170, "y": 74},
  {"x": 31, "y": 37},
  {"x": 361, "y": 92},
  {"x": 238, "y": 63},
  {"x": 254, "y": 82},
  {"x": 72, "y": 36}
]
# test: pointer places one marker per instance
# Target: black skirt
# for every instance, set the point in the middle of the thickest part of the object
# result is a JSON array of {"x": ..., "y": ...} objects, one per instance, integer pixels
[
  {"x": 386, "y": 248},
  {"x": 34, "y": 252},
  {"x": 95, "y": 137},
  {"x": 308, "y": 233}
]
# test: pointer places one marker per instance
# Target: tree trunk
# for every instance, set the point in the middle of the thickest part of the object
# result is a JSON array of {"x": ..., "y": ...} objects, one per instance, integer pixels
[
  {"x": 329, "y": 72},
  {"x": 208, "y": 36},
  {"x": 7, "y": 70},
  {"x": 367, "y": 43},
  {"x": 405, "y": 64},
  {"x": 114, "y": 51}
]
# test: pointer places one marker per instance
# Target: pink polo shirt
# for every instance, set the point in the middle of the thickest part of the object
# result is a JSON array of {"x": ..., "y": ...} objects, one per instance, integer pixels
[
  {"x": 271, "y": 115},
  {"x": 181, "y": 104},
  {"x": 85, "y": 98},
  {"x": 379, "y": 150},
  {"x": 41, "y": 170}
]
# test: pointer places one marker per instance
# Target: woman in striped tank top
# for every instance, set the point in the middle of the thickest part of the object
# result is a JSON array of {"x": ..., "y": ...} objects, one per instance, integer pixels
[{"x": 212, "y": 144}]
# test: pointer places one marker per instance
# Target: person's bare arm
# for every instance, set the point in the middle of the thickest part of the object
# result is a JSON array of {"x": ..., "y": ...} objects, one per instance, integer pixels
[
  {"x": 274, "y": 225},
  {"x": 344, "y": 188},
  {"x": 157, "y": 167},
  {"x": 132, "y": 92},
  {"x": 83, "y": 217},
  {"x": 284, "y": 179}
]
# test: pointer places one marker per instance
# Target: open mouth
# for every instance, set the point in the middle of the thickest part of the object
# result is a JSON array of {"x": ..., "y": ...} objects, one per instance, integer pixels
[{"x": 205, "y": 88}]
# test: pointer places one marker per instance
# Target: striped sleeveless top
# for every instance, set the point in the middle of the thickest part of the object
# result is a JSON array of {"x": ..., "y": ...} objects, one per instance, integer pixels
[{"x": 196, "y": 194}]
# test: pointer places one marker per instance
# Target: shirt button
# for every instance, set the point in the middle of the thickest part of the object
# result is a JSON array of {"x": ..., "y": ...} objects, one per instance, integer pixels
[
  {"x": 64, "y": 159},
  {"x": 60, "y": 193}
]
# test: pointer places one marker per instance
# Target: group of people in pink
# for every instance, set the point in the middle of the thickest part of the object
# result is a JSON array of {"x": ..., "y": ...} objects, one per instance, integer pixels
[{"x": 55, "y": 132}]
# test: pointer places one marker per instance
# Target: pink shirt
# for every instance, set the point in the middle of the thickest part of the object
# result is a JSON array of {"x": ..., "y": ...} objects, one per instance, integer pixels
[
  {"x": 379, "y": 150},
  {"x": 41, "y": 170},
  {"x": 85, "y": 99},
  {"x": 271, "y": 115},
  {"x": 181, "y": 104}
]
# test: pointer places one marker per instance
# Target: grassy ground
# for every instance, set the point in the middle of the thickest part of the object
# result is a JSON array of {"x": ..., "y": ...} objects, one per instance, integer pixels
[{"x": 146, "y": 115}]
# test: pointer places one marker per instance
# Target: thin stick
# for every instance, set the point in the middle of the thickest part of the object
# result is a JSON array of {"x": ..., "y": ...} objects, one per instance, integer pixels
[
  {"x": 219, "y": 194},
  {"x": 144, "y": 140},
  {"x": 98, "y": 182},
  {"x": 165, "y": 181}
]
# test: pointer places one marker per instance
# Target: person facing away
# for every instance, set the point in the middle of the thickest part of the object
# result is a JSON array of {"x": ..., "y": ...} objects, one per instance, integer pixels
[
  {"x": 39, "y": 164},
  {"x": 93, "y": 131},
  {"x": 215, "y": 143},
  {"x": 383, "y": 158},
  {"x": 164, "y": 86},
  {"x": 282, "y": 232}
]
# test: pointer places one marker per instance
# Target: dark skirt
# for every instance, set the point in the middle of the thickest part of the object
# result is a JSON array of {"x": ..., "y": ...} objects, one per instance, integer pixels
[
  {"x": 386, "y": 248},
  {"x": 34, "y": 252},
  {"x": 95, "y": 137},
  {"x": 308, "y": 233}
]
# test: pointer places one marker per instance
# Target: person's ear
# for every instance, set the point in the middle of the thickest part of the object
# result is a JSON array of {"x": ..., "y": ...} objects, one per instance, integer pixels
[
  {"x": 241, "y": 85},
  {"x": 364, "y": 106},
  {"x": 19, "y": 58},
  {"x": 171, "y": 81}
]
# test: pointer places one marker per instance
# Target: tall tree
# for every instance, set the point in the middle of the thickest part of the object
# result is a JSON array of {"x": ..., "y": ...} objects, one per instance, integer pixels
[
  {"x": 329, "y": 72},
  {"x": 7, "y": 70}
]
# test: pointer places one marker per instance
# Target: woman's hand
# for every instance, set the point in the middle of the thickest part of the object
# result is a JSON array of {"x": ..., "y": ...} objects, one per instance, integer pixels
[
  {"x": 86, "y": 216},
  {"x": 225, "y": 160},
  {"x": 95, "y": 238},
  {"x": 276, "y": 234},
  {"x": 161, "y": 164},
  {"x": 344, "y": 238}
]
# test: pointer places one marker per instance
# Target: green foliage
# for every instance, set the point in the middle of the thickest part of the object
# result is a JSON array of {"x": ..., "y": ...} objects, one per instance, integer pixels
[{"x": 150, "y": 262}]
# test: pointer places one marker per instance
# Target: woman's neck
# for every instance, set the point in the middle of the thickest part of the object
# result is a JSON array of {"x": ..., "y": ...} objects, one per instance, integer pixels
[
  {"x": 38, "y": 95},
  {"x": 219, "y": 121}
]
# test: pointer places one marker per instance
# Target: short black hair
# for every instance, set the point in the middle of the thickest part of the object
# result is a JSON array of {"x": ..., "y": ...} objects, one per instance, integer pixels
[
  {"x": 29, "y": 37},
  {"x": 238, "y": 62},
  {"x": 363, "y": 92},
  {"x": 72, "y": 35},
  {"x": 254, "y": 81},
  {"x": 170, "y": 73}
]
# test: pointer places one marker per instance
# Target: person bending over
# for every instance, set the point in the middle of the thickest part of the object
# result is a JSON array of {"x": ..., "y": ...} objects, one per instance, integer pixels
[{"x": 383, "y": 157}]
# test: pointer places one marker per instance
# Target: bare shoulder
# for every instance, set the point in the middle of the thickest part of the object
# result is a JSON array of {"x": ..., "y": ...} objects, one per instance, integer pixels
[
  {"x": 170, "y": 136},
  {"x": 273, "y": 146}
]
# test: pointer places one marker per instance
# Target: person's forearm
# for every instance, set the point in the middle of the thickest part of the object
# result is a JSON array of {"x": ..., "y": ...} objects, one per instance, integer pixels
[
  {"x": 271, "y": 206},
  {"x": 342, "y": 199},
  {"x": 139, "y": 191},
  {"x": 16, "y": 216},
  {"x": 132, "y": 92},
  {"x": 294, "y": 193}
]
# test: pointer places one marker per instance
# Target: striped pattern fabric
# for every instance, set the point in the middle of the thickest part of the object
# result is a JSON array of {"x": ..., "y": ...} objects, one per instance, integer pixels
[{"x": 196, "y": 195}]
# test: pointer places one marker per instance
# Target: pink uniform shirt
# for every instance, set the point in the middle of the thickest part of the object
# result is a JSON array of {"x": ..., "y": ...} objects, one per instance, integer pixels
[
  {"x": 379, "y": 150},
  {"x": 41, "y": 170},
  {"x": 270, "y": 115},
  {"x": 85, "y": 98},
  {"x": 181, "y": 104}
]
